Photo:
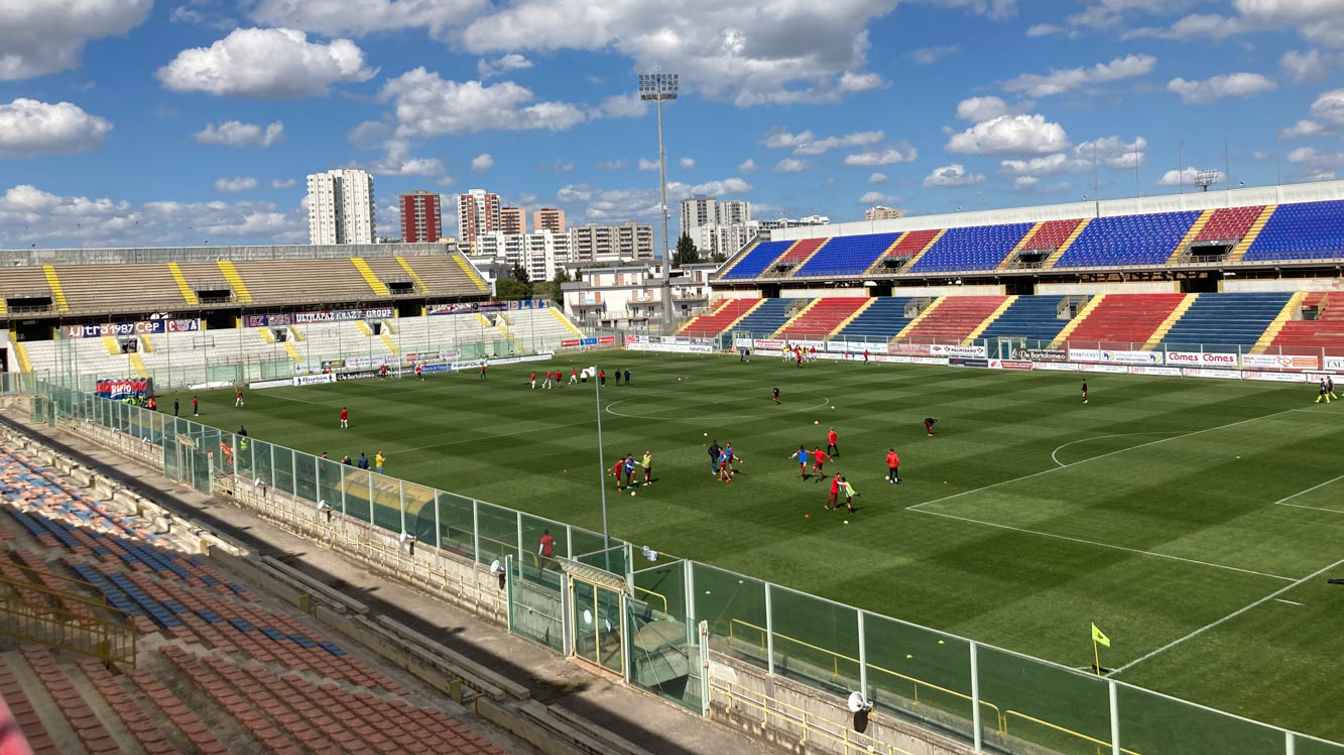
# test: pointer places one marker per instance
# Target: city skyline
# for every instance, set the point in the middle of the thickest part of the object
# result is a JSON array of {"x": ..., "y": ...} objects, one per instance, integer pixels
[{"x": 887, "y": 103}]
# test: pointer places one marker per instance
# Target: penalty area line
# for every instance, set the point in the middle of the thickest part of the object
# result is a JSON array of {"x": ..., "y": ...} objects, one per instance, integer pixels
[
  {"x": 1111, "y": 546},
  {"x": 1107, "y": 455},
  {"x": 1272, "y": 596},
  {"x": 1285, "y": 501}
]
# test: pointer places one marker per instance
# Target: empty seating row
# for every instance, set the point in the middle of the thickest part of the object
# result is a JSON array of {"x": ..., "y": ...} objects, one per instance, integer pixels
[
  {"x": 886, "y": 317},
  {"x": 822, "y": 317},
  {"x": 976, "y": 248},
  {"x": 953, "y": 318},
  {"x": 719, "y": 319},
  {"x": 1032, "y": 317},
  {"x": 1125, "y": 320},
  {"x": 756, "y": 259},
  {"x": 1225, "y": 322},
  {"x": 847, "y": 255},
  {"x": 1309, "y": 230},
  {"x": 1324, "y": 331},
  {"x": 768, "y": 317},
  {"x": 1128, "y": 240}
]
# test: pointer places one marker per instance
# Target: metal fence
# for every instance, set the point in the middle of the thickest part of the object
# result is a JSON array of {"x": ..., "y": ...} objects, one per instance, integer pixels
[
  {"x": 993, "y": 697},
  {"x": 233, "y": 357}
]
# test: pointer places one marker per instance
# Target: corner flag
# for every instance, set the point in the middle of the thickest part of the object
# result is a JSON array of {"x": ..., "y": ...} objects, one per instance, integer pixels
[{"x": 1100, "y": 637}]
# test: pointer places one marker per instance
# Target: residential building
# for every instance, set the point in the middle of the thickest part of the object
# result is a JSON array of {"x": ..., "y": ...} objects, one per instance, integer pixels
[
  {"x": 611, "y": 243},
  {"x": 421, "y": 217},
  {"x": 544, "y": 253},
  {"x": 549, "y": 219},
  {"x": 724, "y": 239},
  {"x": 702, "y": 211},
  {"x": 478, "y": 212},
  {"x": 882, "y": 212},
  {"x": 630, "y": 296},
  {"x": 512, "y": 220},
  {"x": 782, "y": 223},
  {"x": 340, "y": 207}
]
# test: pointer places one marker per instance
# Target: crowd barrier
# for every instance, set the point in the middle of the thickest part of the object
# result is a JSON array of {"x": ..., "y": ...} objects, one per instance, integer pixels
[{"x": 679, "y": 610}]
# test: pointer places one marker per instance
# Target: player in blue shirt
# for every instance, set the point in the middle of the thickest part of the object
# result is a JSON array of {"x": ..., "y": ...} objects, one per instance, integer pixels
[{"x": 802, "y": 457}]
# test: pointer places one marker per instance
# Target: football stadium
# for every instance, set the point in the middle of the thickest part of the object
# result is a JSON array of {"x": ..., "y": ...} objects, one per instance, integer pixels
[{"x": 1068, "y": 482}]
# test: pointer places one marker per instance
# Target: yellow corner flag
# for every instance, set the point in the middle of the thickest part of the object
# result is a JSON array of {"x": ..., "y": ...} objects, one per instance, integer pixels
[{"x": 1100, "y": 637}]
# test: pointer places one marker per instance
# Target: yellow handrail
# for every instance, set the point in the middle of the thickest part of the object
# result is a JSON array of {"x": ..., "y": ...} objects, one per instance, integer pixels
[
  {"x": 837, "y": 657},
  {"x": 1061, "y": 729},
  {"x": 658, "y": 595}
]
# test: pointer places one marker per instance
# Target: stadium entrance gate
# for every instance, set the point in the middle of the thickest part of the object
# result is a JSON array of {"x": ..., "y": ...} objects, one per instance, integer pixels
[{"x": 597, "y": 618}]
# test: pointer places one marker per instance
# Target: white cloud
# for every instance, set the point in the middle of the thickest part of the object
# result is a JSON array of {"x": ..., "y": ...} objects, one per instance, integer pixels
[
  {"x": 619, "y": 205},
  {"x": 790, "y": 165},
  {"x": 647, "y": 165},
  {"x": 1056, "y": 163},
  {"x": 1316, "y": 161},
  {"x": 482, "y": 162},
  {"x": 1303, "y": 128},
  {"x": 239, "y": 134},
  {"x": 359, "y": 17},
  {"x": 284, "y": 183},
  {"x": 30, "y": 127},
  {"x": 445, "y": 181},
  {"x": 981, "y": 109},
  {"x": 806, "y": 143},
  {"x": 503, "y": 64},
  {"x": 1186, "y": 177},
  {"x": 1010, "y": 134},
  {"x": 948, "y": 176},
  {"x": 900, "y": 153},
  {"x": 1194, "y": 26},
  {"x": 1318, "y": 21},
  {"x": 747, "y": 166},
  {"x": 1044, "y": 30},
  {"x": 747, "y": 53},
  {"x": 627, "y": 105},
  {"x": 1059, "y": 81},
  {"x": 1025, "y": 183},
  {"x": 564, "y": 166},
  {"x": 1218, "y": 87},
  {"x": 1113, "y": 152},
  {"x": 859, "y": 82},
  {"x": 29, "y": 215},
  {"x": 876, "y": 197},
  {"x": 1329, "y": 107},
  {"x": 427, "y": 105},
  {"x": 266, "y": 63},
  {"x": 234, "y": 185},
  {"x": 39, "y": 37},
  {"x": 611, "y": 165},
  {"x": 1303, "y": 66},
  {"x": 686, "y": 162},
  {"x": 927, "y": 56},
  {"x": 877, "y": 178},
  {"x": 370, "y": 133}
]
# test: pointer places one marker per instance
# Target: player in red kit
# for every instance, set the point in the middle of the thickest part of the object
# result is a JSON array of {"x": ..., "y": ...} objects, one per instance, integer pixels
[
  {"x": 832, "y": 438},
  {"x": 345, "y": 418},
  {"x": 420, "y": 370},
  {"x": 835, "y": 493},
  {"x": 893, "y": 467},
  {"x": 819, "y": 459}
]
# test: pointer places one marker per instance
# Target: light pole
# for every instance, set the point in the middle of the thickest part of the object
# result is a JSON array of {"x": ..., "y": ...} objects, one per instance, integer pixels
[
  {"x": 660, "y": 87},
  {"x": 601, "y": 467}
]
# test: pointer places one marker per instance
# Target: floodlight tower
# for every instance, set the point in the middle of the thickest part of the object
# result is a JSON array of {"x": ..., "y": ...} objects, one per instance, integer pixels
[
  {"x": 1206, "y": 178},
  {"x": 659, "y": 88}
]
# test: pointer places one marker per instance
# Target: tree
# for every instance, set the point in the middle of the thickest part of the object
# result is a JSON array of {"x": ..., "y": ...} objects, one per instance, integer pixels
[
  {"x": 517, "y": 286},
  {"x": 686, "y": 253},
  {"x": 557, "y": 285},
  {"x": 520, "y": 274}
]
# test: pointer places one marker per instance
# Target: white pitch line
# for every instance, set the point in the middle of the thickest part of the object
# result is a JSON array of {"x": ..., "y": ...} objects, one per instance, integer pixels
[
  {"x": 1285, "y": 501},
  {"x": 1054, "y": 454},
  {"x": 1111, "y": 546},
  {"x": 1108, "y": 454},
  {"x": 1289, "y": 602},
  {"x": 1272, "y": 596},
  {"x": 1312, "y": 508}
]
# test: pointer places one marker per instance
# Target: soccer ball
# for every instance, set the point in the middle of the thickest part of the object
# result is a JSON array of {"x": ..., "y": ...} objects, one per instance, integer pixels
[
  {"x": 807, "y": 515},
  {"x": 846, "y": 521},
  {"x": 632, "y": 493},
  {"x": 816, "y": 422},
  {"x": 706, "y": 435}
]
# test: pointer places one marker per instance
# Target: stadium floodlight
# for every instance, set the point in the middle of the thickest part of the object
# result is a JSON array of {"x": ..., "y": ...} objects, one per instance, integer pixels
[
  {"x": 1206, "y": 178},
  {"x": 659, "y": 88}
]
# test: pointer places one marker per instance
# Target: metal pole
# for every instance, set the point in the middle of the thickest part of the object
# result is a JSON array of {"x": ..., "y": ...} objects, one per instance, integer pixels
[
  {"x": 602, "y": 472},
  {"x": 1289, "y": 743},
  {"x": 1115, "y": 718},
  {"x": 975, "y": 697},
  {"x": 401, "y": 496},
  {"x": 769, "y": 633},
  {"x": 863, "y": 656},
  {"x": 667, "y": 242},
  {"x": 438, "y": 533},
  {"x": 476, "y": 530}
]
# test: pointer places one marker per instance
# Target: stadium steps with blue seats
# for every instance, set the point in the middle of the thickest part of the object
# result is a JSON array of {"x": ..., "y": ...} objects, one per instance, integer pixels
[
  {"x": 972, "y": 248},
  {"x": 1128, "y": 240},
  {"x": 847, "y": 255},
  {"x": 1032, "y": 317},
  {"x": 1309, "y": 230},
  {"x": 769, "y": 317},
  {"x": 1225, "y": 322},
  {"x": 754, "y": 262},
  {"x": 880, "y": 322}
]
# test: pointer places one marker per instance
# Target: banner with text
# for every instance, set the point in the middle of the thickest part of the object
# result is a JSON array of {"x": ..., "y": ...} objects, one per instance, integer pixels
[{"x": 142, "y": 327}]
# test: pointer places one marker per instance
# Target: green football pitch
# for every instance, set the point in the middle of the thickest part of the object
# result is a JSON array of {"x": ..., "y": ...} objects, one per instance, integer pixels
[{"x": 1195, "y": 521}]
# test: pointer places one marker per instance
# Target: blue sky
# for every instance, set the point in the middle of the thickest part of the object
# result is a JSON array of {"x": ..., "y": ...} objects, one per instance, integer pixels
[{"x": 191, "y": 121}]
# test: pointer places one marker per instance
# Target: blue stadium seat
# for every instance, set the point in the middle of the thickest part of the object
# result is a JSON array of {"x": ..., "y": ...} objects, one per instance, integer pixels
[
  {"x": 768, "y": 317},
  {"x": 1032, "y": 317},
  {"x": 977, "y": 248},
  {"x": 880, "y": 322},
  {"x": 1310, "y": 230},
  {"x": 1224, "y": 322},
  {"x": 1128, "y": 240},
  {"x": 848, "y": 255},
  {"x": 758, "y": 259}
]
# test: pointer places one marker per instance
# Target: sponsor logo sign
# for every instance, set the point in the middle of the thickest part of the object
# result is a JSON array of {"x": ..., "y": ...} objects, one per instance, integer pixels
[
  {"x": 957, "y": 350},
  {"x": 122, "y": 388},
  {"x": 1202, "y": 359},
  {"x": 1115, "y": 357},
  {"x": 342, "y": 315},
  {"x": 1280, "y": 361},
  {"x": 1041, "y": 355},
  {"x": 1015, "y": 364},
  {"x": 569, "y": 343},
  {"x": 1116, "y": 368},
  {"x": 1061, "y": 366},
  {"x": 271, "y": 384},
  {"x": 1285, "y": 377},
  {"x": 1334, "y": 363},
  {"x": 910, "y": 349},
  {"x": 143, "y": 327},
  {"x": 1207, "y": 373},
  {"x": 1164, "y": 371},
  {"x": 313, "y": 379}
]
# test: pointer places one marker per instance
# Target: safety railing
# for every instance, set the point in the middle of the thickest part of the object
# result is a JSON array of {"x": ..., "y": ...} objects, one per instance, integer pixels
[
  {"x": 30, "y": 612},
  {"x": 809, "y": 725},
  {"x": 989, "y": 695}
]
